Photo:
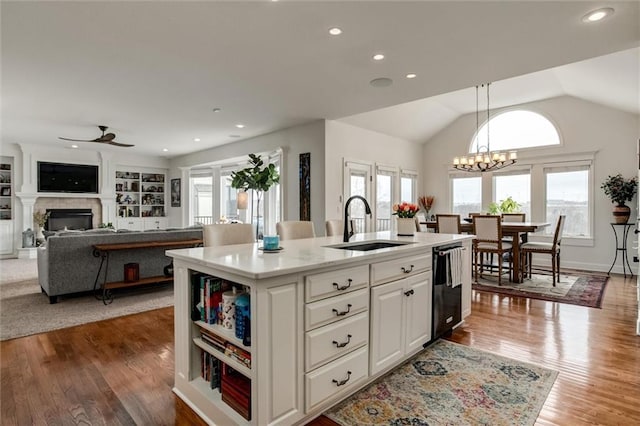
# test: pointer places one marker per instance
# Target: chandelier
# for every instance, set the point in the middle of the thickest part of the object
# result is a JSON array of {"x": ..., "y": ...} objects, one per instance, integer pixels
[{"x": 484, "y": 159}]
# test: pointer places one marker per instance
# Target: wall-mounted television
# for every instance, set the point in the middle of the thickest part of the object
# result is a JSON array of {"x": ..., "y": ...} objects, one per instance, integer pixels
[{"x": 60, "y": 177}]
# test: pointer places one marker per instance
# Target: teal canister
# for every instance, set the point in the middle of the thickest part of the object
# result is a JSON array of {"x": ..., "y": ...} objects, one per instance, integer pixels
[{"x": 243, "y": 314}]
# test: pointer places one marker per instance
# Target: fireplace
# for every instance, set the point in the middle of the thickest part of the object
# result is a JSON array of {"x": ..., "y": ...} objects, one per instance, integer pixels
[{"x": 69, "y": 218}]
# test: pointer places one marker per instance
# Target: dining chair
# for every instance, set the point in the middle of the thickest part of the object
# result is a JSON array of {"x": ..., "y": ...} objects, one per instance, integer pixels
[
  {"x": 514, "y": 217},
  {"x": 488, "y": 232},
  {"x": 416, "y": 219},
  {"x": 219, "y": 234},
  {"x": 295, "y": 229},
  {"x": 528, "y": 249},
  {"x": 336, "y": 227},
  {"x": 448, "y": 224}
]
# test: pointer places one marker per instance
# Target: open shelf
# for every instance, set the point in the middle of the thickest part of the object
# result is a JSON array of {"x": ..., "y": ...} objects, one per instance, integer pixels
[
  {"x": 226, "y": 334},
  {"x": 214, "y": 395},
  {"x": 240, "y": 368}
]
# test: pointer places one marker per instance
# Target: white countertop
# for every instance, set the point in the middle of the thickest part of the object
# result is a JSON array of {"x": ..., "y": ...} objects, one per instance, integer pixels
[{"x": 305, "y": 254}]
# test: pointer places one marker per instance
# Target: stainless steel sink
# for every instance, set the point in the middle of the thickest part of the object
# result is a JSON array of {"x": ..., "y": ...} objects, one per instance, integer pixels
[{"x": 369, "y": 245}]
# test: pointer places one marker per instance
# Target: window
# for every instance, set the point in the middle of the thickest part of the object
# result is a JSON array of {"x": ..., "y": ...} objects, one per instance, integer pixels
[
  {"x": 408, "y": 186},
  {"x": 467, "y": 195},
  {"x": 211, "y": 196},
  {"x": 386, "y": 181},
  {"x": 516, "y": 185},
  {"x": 357, "y": 181},
  {"x": 567, "y": 193},
  {"x": 517, "y": 129}
]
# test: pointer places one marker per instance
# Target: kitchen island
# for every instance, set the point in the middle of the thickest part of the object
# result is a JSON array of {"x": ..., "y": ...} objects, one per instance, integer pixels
[{"x": 324, "y": 321}]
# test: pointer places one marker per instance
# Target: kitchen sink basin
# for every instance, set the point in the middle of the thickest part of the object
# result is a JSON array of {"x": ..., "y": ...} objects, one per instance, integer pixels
[{"x": 369, "y": 245}]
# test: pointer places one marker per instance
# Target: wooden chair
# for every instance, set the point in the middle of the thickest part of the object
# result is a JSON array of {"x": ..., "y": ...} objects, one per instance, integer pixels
[
  {"x": 295, "y": 229},
  {"x": 448, "y": 224},
  {"x": 336, "y": 227},
  {"x": 528, "y": 249},
  {"x": 219, "y": 234},
  {"x": 488, "y": 231},
  {"x": 514, "y": 217}
]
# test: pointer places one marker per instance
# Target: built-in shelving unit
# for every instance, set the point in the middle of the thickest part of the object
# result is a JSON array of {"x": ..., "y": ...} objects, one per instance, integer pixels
[
  {"x": 6, "y": 191},
  {"x": 140, "y": 200}
]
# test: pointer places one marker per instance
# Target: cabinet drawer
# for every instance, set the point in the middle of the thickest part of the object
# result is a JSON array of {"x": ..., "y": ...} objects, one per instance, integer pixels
[
  {"x": 382, "y": 272},
  {"x": 320, "y": 286},
  {"x": 336, "y": 377},
  {"x": 331, "y": 341},
  {"x": 335, "y": 308}
]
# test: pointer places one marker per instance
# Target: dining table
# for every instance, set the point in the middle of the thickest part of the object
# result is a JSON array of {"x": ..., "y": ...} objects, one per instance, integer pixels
[{"x": 516, "y": 230}]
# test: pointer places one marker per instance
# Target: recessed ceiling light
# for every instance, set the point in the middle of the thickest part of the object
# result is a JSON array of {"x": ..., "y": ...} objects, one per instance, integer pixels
[
  {"x": 597, "y": 15},
  {"x": 335, "y": 31},
  {"x": 240, "y": 126},
  {"x": 216, "y": 110},
  {"x": 165, "y": 150},
  {"x": 412, "y": 75},
  {"x": 74, "y": 146},
  {"x": 378, "y": 57},
  {"x": 381, "y": 82},
  {"x": 196, "y": 139}
]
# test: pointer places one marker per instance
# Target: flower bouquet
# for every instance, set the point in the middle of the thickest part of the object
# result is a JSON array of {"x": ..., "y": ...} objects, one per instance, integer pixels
[{"x": 405, "y": 209}]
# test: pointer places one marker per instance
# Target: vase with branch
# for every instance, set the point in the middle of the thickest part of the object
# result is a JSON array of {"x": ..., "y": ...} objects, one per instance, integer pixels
[
  {"x": 426, "y": 202},
  {"x": 40, "y": 219},
  {"x": 257, "y": 177}
]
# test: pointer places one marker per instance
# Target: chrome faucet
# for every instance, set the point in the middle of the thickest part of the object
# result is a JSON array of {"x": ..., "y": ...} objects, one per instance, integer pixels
[{"x": 347, "y": 234}]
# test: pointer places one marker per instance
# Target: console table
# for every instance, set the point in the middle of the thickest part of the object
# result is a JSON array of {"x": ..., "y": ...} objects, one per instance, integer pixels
[
  {"x": 102, "y": 251},
  {"x": 621, "y": 245}
]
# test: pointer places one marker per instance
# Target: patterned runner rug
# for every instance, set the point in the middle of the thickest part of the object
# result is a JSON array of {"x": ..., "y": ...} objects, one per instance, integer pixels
[
  {"x": 575, "y": 288},
  {"x": 450, "y": 384}
]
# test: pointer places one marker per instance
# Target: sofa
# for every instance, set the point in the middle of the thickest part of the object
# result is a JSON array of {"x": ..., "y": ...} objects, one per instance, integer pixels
[{"x": 66, "y": 261}]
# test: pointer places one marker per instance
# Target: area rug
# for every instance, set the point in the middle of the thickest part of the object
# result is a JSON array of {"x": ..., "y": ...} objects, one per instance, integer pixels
[
  {"x": 574, "y": 288},
  {"x": 450, "y": 384},
  {"x": 24, "y": 310}
]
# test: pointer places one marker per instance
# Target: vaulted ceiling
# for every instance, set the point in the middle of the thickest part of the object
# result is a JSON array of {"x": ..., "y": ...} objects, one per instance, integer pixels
[{"x": 155, "y": 71}]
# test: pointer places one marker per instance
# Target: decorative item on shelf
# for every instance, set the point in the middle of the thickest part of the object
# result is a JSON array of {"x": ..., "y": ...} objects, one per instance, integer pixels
[
  {"x": 484, "y": 159},
  {"x": 28, "y": 238},
  {"x": 619, "y": 190},
  {"x": 426, "y": 203},
  {"x": 242, "y": 314},
  {"x": 229, "y": 309},
  {"x": 257, "y": 178},
  {"x": 131, "y": 272},
  {"x": 40, "y": 218},
  {"x": 406, "y": 221}
]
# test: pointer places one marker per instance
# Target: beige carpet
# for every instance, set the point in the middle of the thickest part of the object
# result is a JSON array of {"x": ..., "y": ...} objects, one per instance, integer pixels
[{"x": 25, "y": 310}]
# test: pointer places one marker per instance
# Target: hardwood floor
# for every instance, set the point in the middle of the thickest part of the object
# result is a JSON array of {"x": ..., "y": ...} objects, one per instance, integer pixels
[{"x": 120, "y": 371}]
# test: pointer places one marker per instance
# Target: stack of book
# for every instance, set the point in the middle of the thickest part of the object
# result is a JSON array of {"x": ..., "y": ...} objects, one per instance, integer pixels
[
  {"x": 236, "y": 391},
  {"x": 211, "y": 370}
]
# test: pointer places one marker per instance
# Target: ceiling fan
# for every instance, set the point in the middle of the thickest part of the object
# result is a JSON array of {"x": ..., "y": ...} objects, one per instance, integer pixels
[{"x": 107, "y": 138}]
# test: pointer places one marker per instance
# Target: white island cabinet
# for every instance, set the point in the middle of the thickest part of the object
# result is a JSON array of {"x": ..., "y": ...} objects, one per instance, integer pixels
[{"x": 324, "y": 322}]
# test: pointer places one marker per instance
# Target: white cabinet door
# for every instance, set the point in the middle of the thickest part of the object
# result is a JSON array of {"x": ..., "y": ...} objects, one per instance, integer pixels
[
  {"x": 6, "y": 237},
  {"x": 155, "y": 223},
  {"x": 130, "y": 223},
  {"x": 418, "y": 311},
  {"x": 387, "y": 325}
]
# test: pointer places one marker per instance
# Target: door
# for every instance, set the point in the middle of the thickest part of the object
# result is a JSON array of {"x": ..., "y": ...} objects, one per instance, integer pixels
[
  {"x": 418, "y": 311},
  {"x": 357, "y": 181},
  {"x": 387, "y": 324}
]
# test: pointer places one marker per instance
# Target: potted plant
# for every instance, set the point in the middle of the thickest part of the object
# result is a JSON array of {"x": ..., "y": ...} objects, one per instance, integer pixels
[
  {"x": 257, "y": 177},
  {"x": 406, "y": 217},
  {"x": 508, "y": 205},
  {"x": 40, "y": 219},
  {"x": 620, "y": 190}
]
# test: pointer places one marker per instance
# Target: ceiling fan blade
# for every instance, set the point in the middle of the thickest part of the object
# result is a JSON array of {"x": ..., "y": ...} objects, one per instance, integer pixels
[
  {"x": 77, "y": 140},
  {"x": 119, "y": 144},
  {"x": 106, "y": 138}
]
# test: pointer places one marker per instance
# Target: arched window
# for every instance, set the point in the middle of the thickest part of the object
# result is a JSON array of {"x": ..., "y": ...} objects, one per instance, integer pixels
[{"x": 512, "y": 130}]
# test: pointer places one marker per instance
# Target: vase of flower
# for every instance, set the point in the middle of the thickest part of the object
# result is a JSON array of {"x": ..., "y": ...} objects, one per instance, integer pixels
[
  {"x": 406, "y": 225},
  {"x": 40, "y": 218},
  {"x": 620, "y": 190}
]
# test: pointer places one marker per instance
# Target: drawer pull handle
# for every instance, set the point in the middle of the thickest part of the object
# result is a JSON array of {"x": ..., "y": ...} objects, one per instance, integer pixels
[
  {"x": 406, "y": 271},
  {"x": 342, "y": 382},
  {"x": 343, "y": 287},
  {"x": 408, "y": 293},
  {"x": 343, "y": 313},
  {"x": 342, "y": 345}
]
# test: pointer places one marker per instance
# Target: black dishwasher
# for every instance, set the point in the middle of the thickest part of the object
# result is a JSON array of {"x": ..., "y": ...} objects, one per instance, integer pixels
[{"x": 447, "y": 299}]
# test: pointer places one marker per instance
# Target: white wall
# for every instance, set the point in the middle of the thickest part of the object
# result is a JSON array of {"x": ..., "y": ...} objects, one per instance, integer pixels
[
  {"x": 354, "y": 143},
  {"x": 294, "y": 141},
  {"x": 584, "y": 127}
]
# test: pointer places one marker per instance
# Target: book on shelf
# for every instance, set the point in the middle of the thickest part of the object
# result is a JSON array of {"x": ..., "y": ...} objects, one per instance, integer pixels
[
  {"x": 240, "y": 355},
  {"x": 236, "y": 391},
  {"x": 211, "y": 370}
]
